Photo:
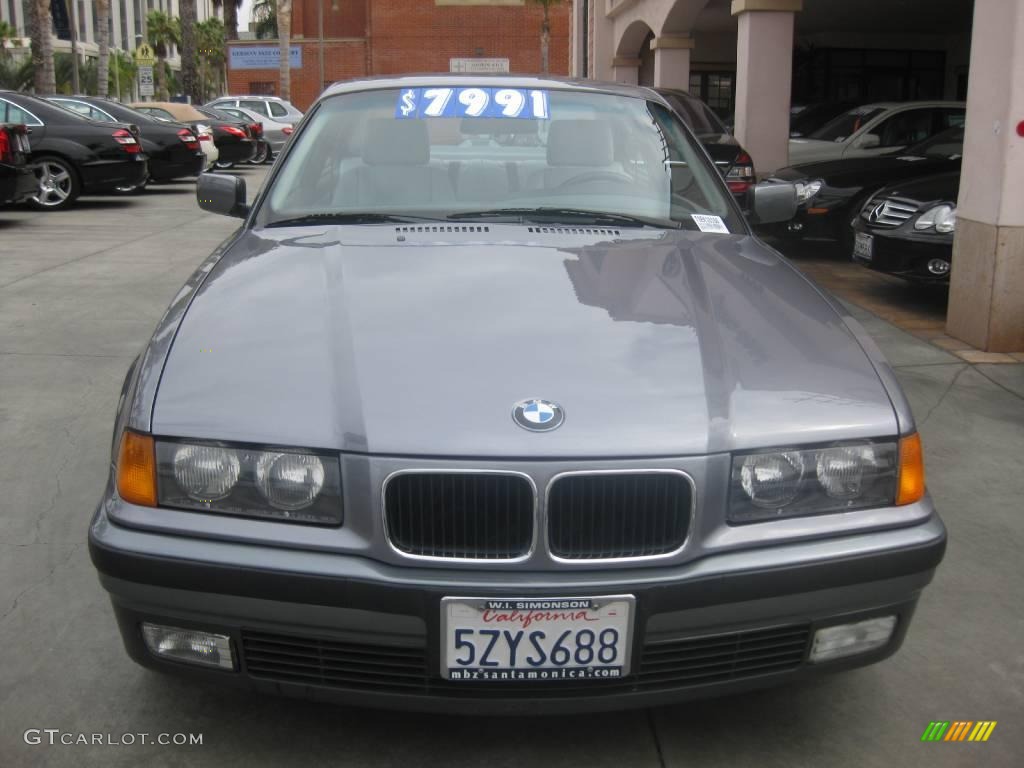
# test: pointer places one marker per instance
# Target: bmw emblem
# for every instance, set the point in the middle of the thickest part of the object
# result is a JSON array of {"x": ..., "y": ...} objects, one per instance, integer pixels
[{"x": 538, "y": 415}]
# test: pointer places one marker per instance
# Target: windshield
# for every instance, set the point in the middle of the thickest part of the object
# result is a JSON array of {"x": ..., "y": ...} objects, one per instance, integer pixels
[
  {"x": 948, "y": 145},
  {"x": 847, "y": 124},
  {"x": 566, "y": 155}
]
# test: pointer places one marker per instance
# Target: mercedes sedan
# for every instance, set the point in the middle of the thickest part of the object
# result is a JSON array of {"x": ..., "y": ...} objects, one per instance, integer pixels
[{"x": 493, "y": 403}]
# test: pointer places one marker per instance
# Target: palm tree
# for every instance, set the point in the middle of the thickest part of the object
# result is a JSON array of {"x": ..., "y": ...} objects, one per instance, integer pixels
[
  {"x": 189, "y": 63},
  {"x": 264, "y": 16},
  {"x": 164, "y": 31},
  {"x": 230, "y": 15},
  {"x": 103, "y": 38},
  {"x": 284, "y": 31},
  {"x": 7, "y": 32},
  {"x": 16, "y": 75},
  {"x": 40, "y": 26},
  {"x": 210, "y": 39},
  {"x": 545, "y": 32}
]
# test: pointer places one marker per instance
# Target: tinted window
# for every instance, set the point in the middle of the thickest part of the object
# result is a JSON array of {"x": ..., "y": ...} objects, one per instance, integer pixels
[
  {"x": 905, "y": 128},
  {"x": 699, "y": 117},
  {"x": 13, "y": 114},
  {"x": 847, "y": 124},
  {"x": 259, "y": 107},
  {"x": 276, "y": 109},
  {"x": 599, "y": 153},
  {"x": 948, "y": 144}
]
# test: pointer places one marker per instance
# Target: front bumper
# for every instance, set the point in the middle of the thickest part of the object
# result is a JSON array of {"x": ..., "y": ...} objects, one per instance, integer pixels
[
  {"x": 378, "y": 625},
  {"x": 900, "y": 254}
]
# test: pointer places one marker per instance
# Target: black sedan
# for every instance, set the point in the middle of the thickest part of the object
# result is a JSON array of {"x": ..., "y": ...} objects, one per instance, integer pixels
[
  {"x": 73, "y": 155},
  {"x": 17, "y": 181},
  {"x": 253, "y": 129},
  {"x": 832, "y": 192},
  {"x": 234, "y": 144},
  {"x": 172, "y": 148},
  {"x": 734, "y": 163},
  {"x": 907, "y": 230}
]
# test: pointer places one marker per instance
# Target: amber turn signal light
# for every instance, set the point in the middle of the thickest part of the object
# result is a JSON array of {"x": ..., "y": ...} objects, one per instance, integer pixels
[
  {"x": 911, "y": 477},
  {"x": 136, "y": 469}
]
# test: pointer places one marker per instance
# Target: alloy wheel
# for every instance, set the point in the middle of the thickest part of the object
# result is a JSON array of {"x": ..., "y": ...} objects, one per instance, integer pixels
[{"x": 55, "y": 183}]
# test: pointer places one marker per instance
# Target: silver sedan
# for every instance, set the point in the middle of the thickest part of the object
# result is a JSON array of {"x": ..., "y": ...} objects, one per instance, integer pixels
[{"x": 493, "y": 403}]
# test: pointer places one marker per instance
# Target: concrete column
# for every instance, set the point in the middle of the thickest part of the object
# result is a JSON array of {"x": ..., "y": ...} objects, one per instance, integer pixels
[
  {"x": 986, "y": 297},
  {"x": 625, "y": 70},
  {"x": 672, "y": 61},
  {"x": 764, "y": 76}
]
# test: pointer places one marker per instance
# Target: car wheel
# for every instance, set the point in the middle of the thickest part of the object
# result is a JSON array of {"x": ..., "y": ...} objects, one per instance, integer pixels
[
  {"x": 261, "y": 155},
  {"x": 58, "y": 184},
  {"x": 223, "y": 166}
]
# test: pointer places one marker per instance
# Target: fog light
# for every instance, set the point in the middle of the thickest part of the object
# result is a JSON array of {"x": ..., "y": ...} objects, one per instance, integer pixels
[
  {"x": 938, "y": 266},
  {"x": 850, "y": 639},
  {"x": 191, "y": 646}
]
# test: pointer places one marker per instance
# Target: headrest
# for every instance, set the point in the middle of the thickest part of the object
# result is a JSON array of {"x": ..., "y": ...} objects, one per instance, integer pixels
[
  {"x": 580, "y": 142},
  {"x": 389, "y": 141}
]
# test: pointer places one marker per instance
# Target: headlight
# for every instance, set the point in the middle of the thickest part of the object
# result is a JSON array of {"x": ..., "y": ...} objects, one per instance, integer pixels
[
  {"x": 837, "y": 478},
  {"x": 283, "y": 485},
  {"x": 941, "y": 218},
  {"x": 806, "y": 190}
]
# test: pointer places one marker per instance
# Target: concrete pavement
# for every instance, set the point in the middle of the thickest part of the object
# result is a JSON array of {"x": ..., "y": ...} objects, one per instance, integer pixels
[{"x": 79, "y": 294}]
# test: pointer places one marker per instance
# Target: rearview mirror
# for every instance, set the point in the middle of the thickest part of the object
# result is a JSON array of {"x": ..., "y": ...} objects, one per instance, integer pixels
[
  {"x": 869, "y": 141},
  {"x": 223, "y": 194},
  {"x": 773, "y": 202}
]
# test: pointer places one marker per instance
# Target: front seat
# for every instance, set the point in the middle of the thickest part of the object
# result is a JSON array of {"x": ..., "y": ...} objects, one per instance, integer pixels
[
  {"x": 395, "y": 168},
  {"x": 577, "y": 148}
]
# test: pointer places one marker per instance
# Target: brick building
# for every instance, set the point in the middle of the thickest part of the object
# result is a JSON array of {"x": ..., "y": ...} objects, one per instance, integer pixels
[{"x": 343, "y": 39}]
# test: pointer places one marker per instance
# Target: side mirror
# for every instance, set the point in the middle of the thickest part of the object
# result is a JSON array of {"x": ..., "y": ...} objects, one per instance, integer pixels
[
  {"x": 869, "y": 141},
  {"x": 222, "y": 193},
  {"x": 773, "y": 202}
]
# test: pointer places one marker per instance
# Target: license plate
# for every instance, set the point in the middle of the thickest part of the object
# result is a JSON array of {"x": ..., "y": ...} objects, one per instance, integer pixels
[
  {"x": 863, "y": 245},
  {"x": 536, "y": 639}
]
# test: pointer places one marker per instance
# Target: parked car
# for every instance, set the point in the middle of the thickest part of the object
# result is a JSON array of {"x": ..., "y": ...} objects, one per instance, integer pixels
[
  {"x": 805, "y": 119},
  {"x": 73, "y": 155},
  {"x": 479, "y": 426},
  {"x": 234, "y": 145},
  {"x": 17, "y": 178},
  {"x": 877, "y": 129},
  {"x": 832, "y": 192},
  {"x": 275, "y": 133},
  {"x": 172, "y": 148},
  {"x": 907, "y": 229},
  {"x": 730, "y": 158},
  {"x": 267, "y": 106},
  {"x": 252, "y": 127}
]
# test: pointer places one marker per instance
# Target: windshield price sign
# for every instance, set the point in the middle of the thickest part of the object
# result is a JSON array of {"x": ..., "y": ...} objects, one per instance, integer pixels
[{"x": 472, "y": 102}]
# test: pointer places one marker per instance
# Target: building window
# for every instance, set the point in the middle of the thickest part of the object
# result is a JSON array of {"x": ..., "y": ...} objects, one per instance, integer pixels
[
  {"x": 716, "y": 89},
  {"x": 263, "y": 88}
]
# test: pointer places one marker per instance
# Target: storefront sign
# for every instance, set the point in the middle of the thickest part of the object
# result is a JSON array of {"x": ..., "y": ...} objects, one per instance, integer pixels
[
  {"x": 478, "y": 66},
  {"x": 262, "y": 57}
]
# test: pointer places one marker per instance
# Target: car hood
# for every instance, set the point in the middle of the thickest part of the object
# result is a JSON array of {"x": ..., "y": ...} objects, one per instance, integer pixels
[
  {"x": 375, "y": 339},
  {"x": 940, "y": 187}
]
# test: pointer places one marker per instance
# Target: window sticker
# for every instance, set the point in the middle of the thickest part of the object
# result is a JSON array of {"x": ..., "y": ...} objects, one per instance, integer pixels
[
  {"x": 472, "y": 102},
  {"x": 707, "y": 223}
]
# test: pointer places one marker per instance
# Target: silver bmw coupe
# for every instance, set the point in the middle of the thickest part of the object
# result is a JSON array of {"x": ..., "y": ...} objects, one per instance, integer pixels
[{"x": 494, "y": 403}]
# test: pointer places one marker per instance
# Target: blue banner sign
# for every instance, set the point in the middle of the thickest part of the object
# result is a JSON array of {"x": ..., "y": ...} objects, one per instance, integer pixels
[
  {"x": 262, "y": 57},
  {"x": 472, "y": 102}
]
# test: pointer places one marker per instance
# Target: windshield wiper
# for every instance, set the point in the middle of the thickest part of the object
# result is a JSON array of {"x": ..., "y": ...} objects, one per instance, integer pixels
[
  {"x": 364, "y": 217},
  {"x": 576, "y": 214}
]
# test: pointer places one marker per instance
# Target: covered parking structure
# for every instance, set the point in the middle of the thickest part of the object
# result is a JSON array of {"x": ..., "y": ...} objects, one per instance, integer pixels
[{"x": 757, "y": 57}]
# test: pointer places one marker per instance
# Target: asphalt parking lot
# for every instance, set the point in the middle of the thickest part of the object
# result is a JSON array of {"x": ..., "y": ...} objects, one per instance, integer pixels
[{"x": 80, "y": 292}]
